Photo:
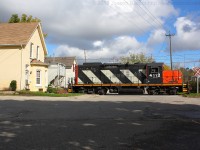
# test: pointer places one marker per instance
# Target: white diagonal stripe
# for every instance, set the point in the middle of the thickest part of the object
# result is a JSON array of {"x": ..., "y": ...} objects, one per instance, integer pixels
[
  {"x": 80, "y": 81},
  {"x": 130, "y": 76},
  {"x": 91, "y": 76},
  {"x": 111, "y": 76}
]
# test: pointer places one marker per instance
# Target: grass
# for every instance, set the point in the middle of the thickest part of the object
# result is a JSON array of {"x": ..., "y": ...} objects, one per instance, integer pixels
[
  {"x": 191, "y": 95},
  {"x": 28, "y": 93}
]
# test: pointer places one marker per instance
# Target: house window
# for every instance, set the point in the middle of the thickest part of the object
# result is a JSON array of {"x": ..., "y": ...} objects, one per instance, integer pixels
[
  {"x": 38, "y": 53},
  {"x": 38, "y": 77},
  {"x": 31, "y": 50}
]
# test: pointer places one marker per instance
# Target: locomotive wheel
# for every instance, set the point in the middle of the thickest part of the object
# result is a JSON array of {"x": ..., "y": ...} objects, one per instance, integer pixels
[
  {"x": 173, "y": 92},
  {"x": 153, "y": 92},
  {"x": 150, "y": 92},
  {"x": 102, "y": 92}
]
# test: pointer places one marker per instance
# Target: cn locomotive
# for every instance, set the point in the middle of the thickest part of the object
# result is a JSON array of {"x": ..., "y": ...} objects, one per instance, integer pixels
[{"x": 138, "y": 78}]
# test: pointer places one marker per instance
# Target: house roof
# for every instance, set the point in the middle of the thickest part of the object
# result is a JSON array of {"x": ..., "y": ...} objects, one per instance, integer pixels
[
  {"x": 68, "y": 61},
  {"x": 19, "y": 34},
  {"x": 38, "y": 63}
]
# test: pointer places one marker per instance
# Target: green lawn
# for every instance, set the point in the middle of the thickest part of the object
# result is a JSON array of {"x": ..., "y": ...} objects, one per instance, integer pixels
[
  {"x": 27, "y": 93},
  {"x": 192, "y": 95}
]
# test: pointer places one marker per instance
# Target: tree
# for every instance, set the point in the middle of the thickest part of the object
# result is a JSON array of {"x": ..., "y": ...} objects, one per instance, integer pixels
[
  {"x": 31, "y": 19},
  {"x": 187, "y": 73},
  {"x": 166, "y": 67},
  {"x": 24, "y": 19},
  {"x": 14, "y": 19},
  {"x": 136, "y": 58}
]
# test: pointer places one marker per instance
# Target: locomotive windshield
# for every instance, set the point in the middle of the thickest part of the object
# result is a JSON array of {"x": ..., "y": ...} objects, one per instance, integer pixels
[{"x": 154, "y": 70}]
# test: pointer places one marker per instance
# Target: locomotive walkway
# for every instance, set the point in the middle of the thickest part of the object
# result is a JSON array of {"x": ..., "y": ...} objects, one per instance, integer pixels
[{"x": 93, "y": 122}]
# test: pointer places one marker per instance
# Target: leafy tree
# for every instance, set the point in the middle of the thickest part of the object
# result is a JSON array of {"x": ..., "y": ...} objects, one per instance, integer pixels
[
  {"x": 35, "y": 20},
  {"x": 136, "y": 58},
  {"x": 24, "y": 19},
  {"x": 29, "y": 18},
  {"x": 14, "y": 19},
  {"x": 187, "y": 74},
  {"x": 166, "y": 67}
]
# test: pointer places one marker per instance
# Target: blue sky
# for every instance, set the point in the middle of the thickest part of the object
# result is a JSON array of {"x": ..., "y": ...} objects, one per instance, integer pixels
[{"x": 110, "y": 29}]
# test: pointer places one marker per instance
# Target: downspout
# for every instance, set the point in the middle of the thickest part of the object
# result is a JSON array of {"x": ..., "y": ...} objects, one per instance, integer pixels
[
  {"x": 65, "y": 78},
  {"x": 21, "y": 69}
]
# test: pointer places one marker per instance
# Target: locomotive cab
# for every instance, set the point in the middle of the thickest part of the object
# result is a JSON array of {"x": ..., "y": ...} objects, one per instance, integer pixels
[{"x": 154, "y": 73}]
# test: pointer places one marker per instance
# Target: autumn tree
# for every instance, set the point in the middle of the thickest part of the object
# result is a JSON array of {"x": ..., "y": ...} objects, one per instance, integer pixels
[{"x": 136, "y": 58}]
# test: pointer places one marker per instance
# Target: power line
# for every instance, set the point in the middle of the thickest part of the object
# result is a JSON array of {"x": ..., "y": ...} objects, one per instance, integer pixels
[
  {"x": 148, "y": 12},
  {"x": 154, "y": 18},
  {"x": 127, "y": 18},
  {"x": 194, "y": 2},
  {"x": 141, "y": 15}
]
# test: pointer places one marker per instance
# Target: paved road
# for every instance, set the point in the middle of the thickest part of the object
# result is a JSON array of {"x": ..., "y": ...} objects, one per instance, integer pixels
[{"x": 91, "y": 122}]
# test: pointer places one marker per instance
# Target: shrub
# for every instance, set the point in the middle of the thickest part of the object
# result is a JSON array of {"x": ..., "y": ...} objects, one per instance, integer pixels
[
  {"x": 193, "y": 86},
  {"x": 61, "y": 91},
  {"x": 51, "y": 89},
  {"x": 13, "y": 85}
]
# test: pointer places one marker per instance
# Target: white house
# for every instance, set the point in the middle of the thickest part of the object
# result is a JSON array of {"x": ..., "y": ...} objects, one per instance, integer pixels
[
  {"x": 57, "y": 75},
  {"x": 61, "y": 70}
]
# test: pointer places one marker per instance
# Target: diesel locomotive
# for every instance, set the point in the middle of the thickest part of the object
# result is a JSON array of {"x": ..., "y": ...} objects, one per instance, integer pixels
[{"x": 138, "y": 78}]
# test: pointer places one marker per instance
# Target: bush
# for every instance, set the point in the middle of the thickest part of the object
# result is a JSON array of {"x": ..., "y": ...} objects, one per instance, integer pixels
[
  {"x": 193, "y": 86},
  {"x": 61, "y": 91},
  {"x": 13, "y": 85},
  {"x": 51, "y": 89}
]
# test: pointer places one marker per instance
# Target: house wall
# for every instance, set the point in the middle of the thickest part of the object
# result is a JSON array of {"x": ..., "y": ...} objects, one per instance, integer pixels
[
  {"x": 15, "y": 65},
  {"x": 44, "y": 78},
  {"x": 70, "y": 74},
  {"x": 55, "y": 70},
  {"x": 52, "y": 72},
  {"x": 10, "y": 66},
  {"x": 36, "y": 42}
]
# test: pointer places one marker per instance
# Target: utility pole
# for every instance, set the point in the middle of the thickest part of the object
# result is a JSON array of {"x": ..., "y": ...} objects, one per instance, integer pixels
[
  {"x": 53, "y": 58},
  {"x": 170, "y": 38},
  {"x": 85, "y": 55}
]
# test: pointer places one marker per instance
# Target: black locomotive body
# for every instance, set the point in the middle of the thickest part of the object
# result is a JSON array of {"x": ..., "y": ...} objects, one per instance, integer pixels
[{"x": 123, "y": 78}]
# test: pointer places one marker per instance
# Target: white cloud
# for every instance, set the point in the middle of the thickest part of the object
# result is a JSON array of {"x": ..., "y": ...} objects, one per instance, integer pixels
[
  {"x": 106, "y": 28},
  {"x": 121, "y": 46},
  {"x": 97, "y": 43},
  {"x": 89, "y": 19},
  {"x": 125, "y": 44},
  {"x": 187, "y": 35},
  {"x": 156, "y": 37}
]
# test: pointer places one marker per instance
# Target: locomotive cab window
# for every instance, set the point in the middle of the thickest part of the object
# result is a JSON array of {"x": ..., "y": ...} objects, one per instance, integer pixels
[{"x": 154, "y": 70}]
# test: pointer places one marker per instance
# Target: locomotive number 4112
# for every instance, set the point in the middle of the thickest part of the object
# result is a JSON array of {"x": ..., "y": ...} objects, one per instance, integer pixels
[{"x": 155, "y": 75}]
